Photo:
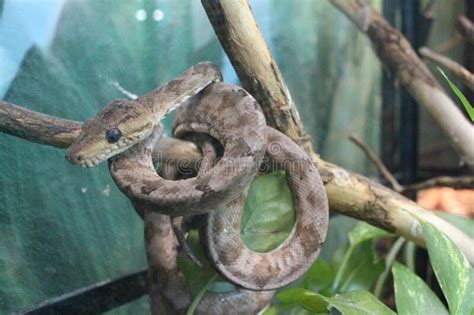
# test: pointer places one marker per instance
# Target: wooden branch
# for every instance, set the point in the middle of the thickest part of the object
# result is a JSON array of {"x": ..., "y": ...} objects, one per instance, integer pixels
[
  {"x": 37, "y": 127},
  {"x": 240, "y": 37},
  {"x": 458, "y": 70},
  {"x": 398, "y": 56},
  {"x": 377, "y": 162},
  {"x": 348, "y": 193},
  {"x": 466, "y": 28}
]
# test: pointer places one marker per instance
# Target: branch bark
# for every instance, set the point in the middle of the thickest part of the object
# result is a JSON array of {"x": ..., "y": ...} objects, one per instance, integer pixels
[
  {"x": 398, "y": 56},
  {"x": 37, "y": 127},
  {"x": 458, "y": 70},
  {"x": 348, "y": 193}
]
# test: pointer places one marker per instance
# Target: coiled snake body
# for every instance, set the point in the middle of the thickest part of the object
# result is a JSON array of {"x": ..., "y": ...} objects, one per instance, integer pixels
[{"x": 231, "y": 116}]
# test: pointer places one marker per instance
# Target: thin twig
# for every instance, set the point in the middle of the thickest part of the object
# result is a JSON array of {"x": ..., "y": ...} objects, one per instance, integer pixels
[
  {"x": 449, "y": 44},
  {"x": 457, "y": 69},
  {"x": 397, "y": 54},
  {"x": 466, "y": 28},
  {"x": 377, "y": 162},
  {"x": 443, "y": 181}
]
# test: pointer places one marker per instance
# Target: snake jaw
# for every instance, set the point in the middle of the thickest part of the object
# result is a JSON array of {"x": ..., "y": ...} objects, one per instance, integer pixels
[{"x": 91, "y": 157}]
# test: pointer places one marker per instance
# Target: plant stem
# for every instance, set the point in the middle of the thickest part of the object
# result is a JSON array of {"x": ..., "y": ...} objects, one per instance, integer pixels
[
  {"x": 392, "y": 254},
  {"x": 342, "y": 268},
  {"x": 409, "y": 255}
]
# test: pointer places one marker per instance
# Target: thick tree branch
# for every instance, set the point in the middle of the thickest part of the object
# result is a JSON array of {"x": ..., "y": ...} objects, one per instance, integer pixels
[
  {"x": 240, "y": 37},
  {"x": 348, "y": 193},
  {"x": 458, "y": 70},
  {"x": 398, "y": 56},
  {"x": 37, "y": 127}
]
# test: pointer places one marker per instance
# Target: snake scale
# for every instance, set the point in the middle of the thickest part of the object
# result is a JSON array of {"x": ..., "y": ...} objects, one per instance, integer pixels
[{"x": 125, "y": 132}]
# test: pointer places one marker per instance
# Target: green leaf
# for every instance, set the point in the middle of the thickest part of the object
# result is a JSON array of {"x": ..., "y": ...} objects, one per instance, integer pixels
[
  {"x": 360, "y": 267},
  {"x": 277, "y": 309},
  {"x": 199, "y": 296},
  {"x": 412, "y": 295},
  {"x": 363, "y": 268},
  {"x": 364, "y": 231},
  {"x": 467, "y": 105},
  {"x": 268, "y": 214},
  {"x": 359, "y": 303},
  {"x": 308, "y": 300},
  {"x": 319, "y": 276},
  {"x": 336, "y": 241},
  {"x": 463, "y": 223},
  {"x": 197, "y": 277},
  {"x": 453, "y": 271}
]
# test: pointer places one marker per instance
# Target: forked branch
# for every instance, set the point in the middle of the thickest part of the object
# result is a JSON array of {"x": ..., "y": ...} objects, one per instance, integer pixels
[
  {"x": 396, "y": 53},
  {"x": 348, "y": 193},
  {"x": 455, "y": 68}
]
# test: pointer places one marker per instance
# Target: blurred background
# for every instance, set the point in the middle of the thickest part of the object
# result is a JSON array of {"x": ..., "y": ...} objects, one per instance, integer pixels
[{"x": 63, "y": 227}]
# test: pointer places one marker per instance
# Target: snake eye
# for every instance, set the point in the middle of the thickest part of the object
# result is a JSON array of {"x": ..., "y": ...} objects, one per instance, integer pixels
[{"x": 113, "y": 135}]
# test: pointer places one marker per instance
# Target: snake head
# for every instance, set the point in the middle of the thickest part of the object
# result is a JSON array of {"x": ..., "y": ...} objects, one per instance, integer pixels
[{"x": 119, "y": 125}]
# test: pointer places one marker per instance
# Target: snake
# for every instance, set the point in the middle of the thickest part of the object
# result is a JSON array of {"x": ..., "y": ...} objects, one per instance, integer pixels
[{"x": 125, "y": 133}]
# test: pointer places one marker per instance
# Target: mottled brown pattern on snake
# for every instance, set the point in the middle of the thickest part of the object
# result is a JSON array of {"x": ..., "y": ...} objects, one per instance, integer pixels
[
  {"x": 229, "y": 115},
  {"x": 264, "y": 271},
  {"x": 136, "y": 119},
  {"x": 167, "y": 287}
]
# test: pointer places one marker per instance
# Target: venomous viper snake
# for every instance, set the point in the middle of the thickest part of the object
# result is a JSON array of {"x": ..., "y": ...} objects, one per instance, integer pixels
[{"x": 125, "y": 132}]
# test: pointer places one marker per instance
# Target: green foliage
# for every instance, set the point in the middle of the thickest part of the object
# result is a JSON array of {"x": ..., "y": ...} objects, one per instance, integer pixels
[
  {"x": 307, "y": 299},
  {"x": 412, "y": 295},
  {"x": 319, "y": 277},
  {"x": 453, "y": 271},
  {"x": 357, "y": 269},
  {"x": 463, "y": 223},
  {"x": 195, "y": 280},
  {"x": 269, "y": 213},
  {"x": 467, "y": 105},
  {"x": 358, "y": 303},
  {"x": 342, "y": 280},
  {"x": 360, "y": 266},
  {"x": 364, "y": 232},
  {"x": 350, "y": 303},
  {"x": 345, "y": 283}
]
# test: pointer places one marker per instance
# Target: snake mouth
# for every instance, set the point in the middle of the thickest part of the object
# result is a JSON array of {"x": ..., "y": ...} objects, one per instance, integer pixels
[
  {"x": 90, "y": 158},
  {"x": 90, "y": 163}
]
